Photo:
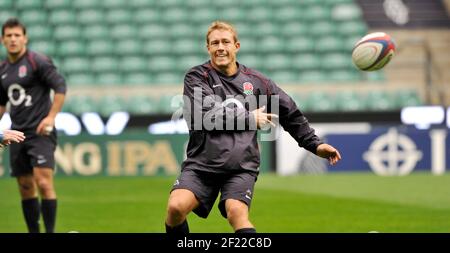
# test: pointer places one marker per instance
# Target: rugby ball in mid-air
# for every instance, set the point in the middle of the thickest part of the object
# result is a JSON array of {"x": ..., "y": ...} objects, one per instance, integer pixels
[{"x": 373, "y": 51}]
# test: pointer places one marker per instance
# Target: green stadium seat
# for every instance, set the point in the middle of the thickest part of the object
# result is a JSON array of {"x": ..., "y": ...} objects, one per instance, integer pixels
[
  {"x": 156, "y": 47},
  {"x": 133, "y": 64},
  {"x": 277, "y": 62},
  {"x": 380, "y": 100},
  {"x": 118, "y": 16},
  {"x": 168, "y": 78},
  {"x": 335, "y": 61},
  {"x": 349, "y": 101},
  {"x": 161, "y": 64},
  {"x": 286, "y": 14},
  {"x": 109, "y": 79},
  {"x": 80, "y": 79},
  {"x": 114, "y": 4},
  {"x": 141, "y": 105},
  {"x": 198, "y": 4},
  {"x": 184, "y": 63},
  {"x": 140, "y": 4},
  {"x": 175, "y": 15},
  {"x": 204, "y": 15},
  {"x": 128, "y": 47},
  {"x": 294, "y": 29},
  {"x": 316, "y": 12},
  {"x": 169, "y": 103},
  {"x": 322, "y": 28},
  {"x": 305, "y": 62},
  {"x": 75, "y": 65},
  {"x": 153, "y": 31},
  {"x": 341, "y": 12},
  {"x": 258, "y": 14},
  {"x": 266, "y": 29},
  {"x": 407, "y": 98},
  {"x": 62, "y": 16},
  {"x": 271, "y": 44},
  {"x": 181, "y": 30},
  {"x": 105, "y": 64},
  {"x": 99, "y": 47},
  {"x": 71, "y": 48},
  {"x": 137, "y": 78},
  {"x": 39, "y": 32},
  {"x": 280, "y": 77},
  {"x": 344, "y": 76},
  {"x": 86, "y": 4},
  {"x": 248, "y": 44},
  {"x": 123, "y": 31},
  {"x": 58, "y": 4},
  {"x": 146, "y": 15},
  {"x": 6, "y": 4},
  {"x": 5, "y": 14},
  {"x": 312, "y": 76},
  {"x": 329, "y": 44},
  {"x": 233, "y": 14},
  {"x": 186, "y": 47},
  {"x": 376, "y": 76},
  {"x": 91, "y": 16},
  {"x": 80, "y": 104},
  {"x": 318, "y": 101},
  {"x": 93, "y": 32},
  {"x": 300, "y": 44},
  {"x": 43, "y": 46},
  {"x": 250, "y": 60},
  {"x": 28, "y": 4},
  {"x": 170, "y": 4},
  {"x": 110, "y": 104},
  {"x": 66, "y": 32},
  {"x": 352, "y": 28},
  {"x": 33, "y": 17}
]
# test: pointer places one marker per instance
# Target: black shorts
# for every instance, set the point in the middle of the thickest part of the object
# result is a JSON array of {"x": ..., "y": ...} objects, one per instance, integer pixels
[
  {"x": 35, "y": 151},
  {"x": 206, "y": 187}
]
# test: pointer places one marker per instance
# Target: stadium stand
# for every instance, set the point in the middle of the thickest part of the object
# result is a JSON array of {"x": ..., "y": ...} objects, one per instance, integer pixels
[{"x": 305, "y": 46}]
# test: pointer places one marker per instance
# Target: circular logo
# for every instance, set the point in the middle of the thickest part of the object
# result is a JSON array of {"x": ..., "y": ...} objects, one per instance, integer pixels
[{"x": 392, "y": 154}]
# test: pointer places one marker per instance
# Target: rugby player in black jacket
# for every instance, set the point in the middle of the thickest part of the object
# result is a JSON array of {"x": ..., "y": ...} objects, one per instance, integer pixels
[
  {"x": 225, "y": 103},
  {"x": 26, "y": 81}
]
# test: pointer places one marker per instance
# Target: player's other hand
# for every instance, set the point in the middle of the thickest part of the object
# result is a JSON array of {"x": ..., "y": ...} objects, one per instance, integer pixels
[
  {"x": 46, "y": 126},
  {"x": 262, "y": 118},
  {"x": 10, "y": 136},
  {"x": 328, "y": 152}
]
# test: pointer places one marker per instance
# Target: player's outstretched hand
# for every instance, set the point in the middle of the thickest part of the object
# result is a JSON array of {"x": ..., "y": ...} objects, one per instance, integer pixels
[
  {"x": 10, "y": 136},
  {"x": 262, "y": 118},
  {"x": 328, "y": 152}
]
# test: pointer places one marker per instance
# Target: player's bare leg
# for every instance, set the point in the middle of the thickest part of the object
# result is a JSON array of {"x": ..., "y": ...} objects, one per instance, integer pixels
[
  {"x": 237, "y": 215},
  {"x": 30, "y": 202},
  {"x": 181, "y": 203},
  {"x": 44, "y": 182}
]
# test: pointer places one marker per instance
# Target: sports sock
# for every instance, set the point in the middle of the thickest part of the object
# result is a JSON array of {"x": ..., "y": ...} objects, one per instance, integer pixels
[
  {"x": 48, "y": 209},
  {"x": 182, "y": 229},
  {"x": 245, "y": 231},
  {"x": 30, "y": 209}
]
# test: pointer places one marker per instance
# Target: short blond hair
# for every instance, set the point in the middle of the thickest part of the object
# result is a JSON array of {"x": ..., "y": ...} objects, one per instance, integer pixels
[{"x": 221, "y": 25}]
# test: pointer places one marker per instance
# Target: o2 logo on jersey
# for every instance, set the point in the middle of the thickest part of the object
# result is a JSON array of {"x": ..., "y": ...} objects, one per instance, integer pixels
[{"x": 17, "y": 95}]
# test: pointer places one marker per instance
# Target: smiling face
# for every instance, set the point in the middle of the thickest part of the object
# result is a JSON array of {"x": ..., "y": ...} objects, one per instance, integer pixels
[
  {"x": 14, "y": 40},
  {"x": 222, "y": 48}
]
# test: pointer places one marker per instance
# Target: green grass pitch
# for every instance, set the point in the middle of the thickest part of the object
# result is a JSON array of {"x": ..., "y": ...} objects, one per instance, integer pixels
[{"x": 340, "y": 202}]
